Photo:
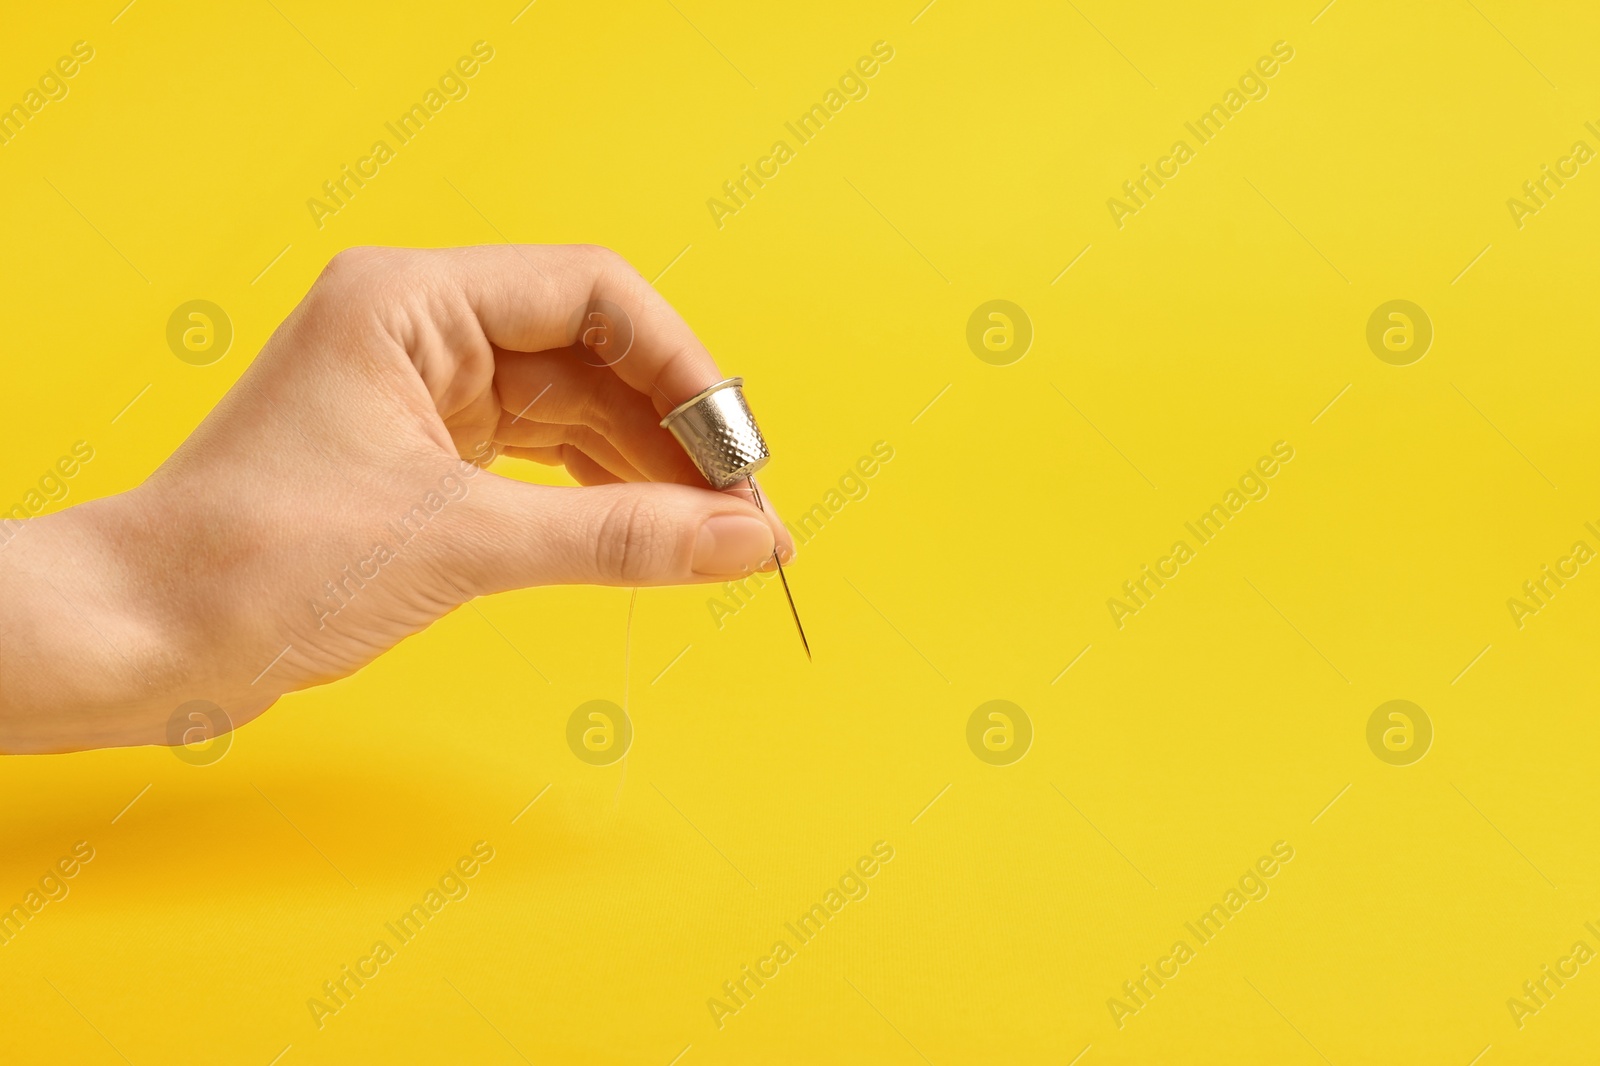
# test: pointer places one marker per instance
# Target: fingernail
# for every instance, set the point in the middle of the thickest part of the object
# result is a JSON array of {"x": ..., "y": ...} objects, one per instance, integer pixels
[{"x": 731, "y": 544}]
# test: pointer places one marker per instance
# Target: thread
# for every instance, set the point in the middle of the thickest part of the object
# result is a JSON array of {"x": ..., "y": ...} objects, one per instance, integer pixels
[{"x": 627, "y": 661}]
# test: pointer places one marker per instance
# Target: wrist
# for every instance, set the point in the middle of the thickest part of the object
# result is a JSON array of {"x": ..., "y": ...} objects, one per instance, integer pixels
[{"x": 93, "y": 657}]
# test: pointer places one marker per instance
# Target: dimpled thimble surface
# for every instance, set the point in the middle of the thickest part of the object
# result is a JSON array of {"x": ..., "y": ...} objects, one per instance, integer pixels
[{"x": 718, "y": 431}]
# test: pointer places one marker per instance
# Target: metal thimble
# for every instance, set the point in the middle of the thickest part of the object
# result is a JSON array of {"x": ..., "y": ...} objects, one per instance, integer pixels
[{"x": 718, "y": 431}]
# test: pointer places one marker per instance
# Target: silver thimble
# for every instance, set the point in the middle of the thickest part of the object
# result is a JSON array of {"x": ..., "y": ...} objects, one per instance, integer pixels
[{"x": 718, "y": 431}]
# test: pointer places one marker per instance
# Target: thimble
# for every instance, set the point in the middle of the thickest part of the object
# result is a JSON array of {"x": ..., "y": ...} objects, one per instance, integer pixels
[{"x": 718, "y": 431}]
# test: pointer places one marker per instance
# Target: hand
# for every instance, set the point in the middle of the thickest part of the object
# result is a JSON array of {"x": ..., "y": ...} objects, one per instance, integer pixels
[{"x": 333, "y": 503}]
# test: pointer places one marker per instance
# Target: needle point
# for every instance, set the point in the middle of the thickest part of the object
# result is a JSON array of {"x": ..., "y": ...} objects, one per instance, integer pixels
[{"x": 755, "y": 492}]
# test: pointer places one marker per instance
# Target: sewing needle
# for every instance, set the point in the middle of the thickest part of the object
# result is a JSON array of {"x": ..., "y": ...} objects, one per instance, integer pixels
[{"x": 756, "y": 492}]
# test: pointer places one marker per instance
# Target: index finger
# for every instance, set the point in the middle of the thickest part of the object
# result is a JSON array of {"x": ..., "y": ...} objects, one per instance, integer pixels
[{"x": 531, "y": 297}]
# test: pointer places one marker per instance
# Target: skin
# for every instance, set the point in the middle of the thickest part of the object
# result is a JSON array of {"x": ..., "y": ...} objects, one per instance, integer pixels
[{"x": 378, "y": 399}]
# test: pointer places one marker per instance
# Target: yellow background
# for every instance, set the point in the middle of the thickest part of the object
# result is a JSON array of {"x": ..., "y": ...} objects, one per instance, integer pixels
[{"x": 1223, "y": 317}]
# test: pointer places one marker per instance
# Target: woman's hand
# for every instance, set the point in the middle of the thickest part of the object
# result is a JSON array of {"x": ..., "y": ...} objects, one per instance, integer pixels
[{"x": 333, "y": 503}]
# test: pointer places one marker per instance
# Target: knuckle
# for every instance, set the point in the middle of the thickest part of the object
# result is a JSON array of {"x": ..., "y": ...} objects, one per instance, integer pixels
[
  {"x": 350, "y": 262},
  {"x": 382, "y": 287},
  {"x": 597, "y": 252},
  {"x": 366, "y": 268},
  {"x": 593, "y": 421},
  {"x": 604, "y": 261},
  {"x": 348, "y": 277}
]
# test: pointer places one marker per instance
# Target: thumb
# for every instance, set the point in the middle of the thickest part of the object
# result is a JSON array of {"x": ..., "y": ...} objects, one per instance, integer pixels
[{"x": 642, "y": 533}]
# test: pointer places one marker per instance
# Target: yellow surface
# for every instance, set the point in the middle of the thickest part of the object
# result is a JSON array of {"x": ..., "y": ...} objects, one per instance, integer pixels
[{"x": 1222, "y": 317}]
